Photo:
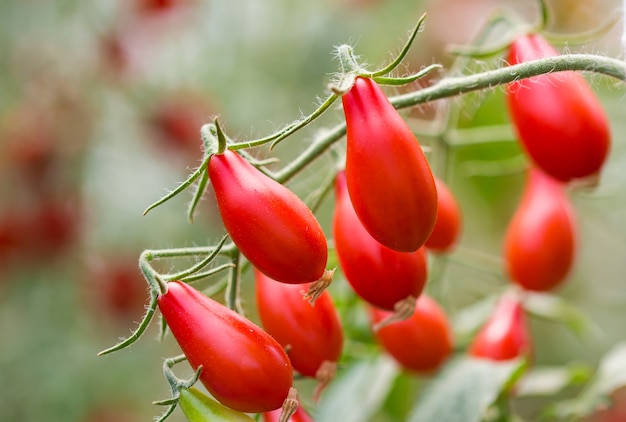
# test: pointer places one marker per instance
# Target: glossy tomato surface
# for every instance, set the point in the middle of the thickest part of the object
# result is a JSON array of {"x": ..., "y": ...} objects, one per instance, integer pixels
[
  {"x": 378, "y": 274},
  {"x": 243, "y": 367},
  {"x": 312, "y": 334},
  {"x": 449, "y": 220},
  {"x": 389, "y": 179},
  {"x": 505, "y": 335},
  {"x": 558, "y": 119},
  {"x": 272, "y": 227},
  {"x": 420, "y": 343},
  {"x": 540, "y": 241}
]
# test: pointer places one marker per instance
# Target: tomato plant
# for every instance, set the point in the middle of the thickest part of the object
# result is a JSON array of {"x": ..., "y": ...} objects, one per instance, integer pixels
[
  {"x": 378, "y": 274},
  {"x": 420, "y": 343},
  {"x": 559, "y": 120},
  {"x": 505, "y": 335},
  {"x": 540, "y": 241},
  {"x": 272, "y": 227},
  {"x": 312, "y": 335},
  {"x": 389, "y": 179},
  {"x": 243, "y": 367},
  {"x": 449, "y": 220}
]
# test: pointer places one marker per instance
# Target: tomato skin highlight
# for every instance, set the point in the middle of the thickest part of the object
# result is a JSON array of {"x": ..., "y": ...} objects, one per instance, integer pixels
[
  {"x": 198, "y": 407},
  {"x": 420, "y": 343},
  {"x": 448, "y": 224},
  {"x": 243, "y": 367},
  {"x": 271, "y": 226},
  {"x": 540, "y": 241},
  {"x": 389, "y": 179},
  {"x": 505, "y": 335},
  {"x": 313, "y": 334},
  {"x": 559, "y": 120},
  {"x": 378, "y": 274}
]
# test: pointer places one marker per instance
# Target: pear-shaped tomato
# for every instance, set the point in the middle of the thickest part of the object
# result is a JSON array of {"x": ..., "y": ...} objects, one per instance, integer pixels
[
  {"x": 420, "y": 343},
  {"x": 389, "y": 179},
  {"x": 378, "y": 274},
  {"x": 312, "y": 335},
  {"x": 505, "y": 335},
  {"x": 540, "y": 241},
  {"x": 271, "y": 226},
  {"x": 243, "y": 367},
  {"x": 448, "y": 223},
  {"x": 558, "y": 119}
]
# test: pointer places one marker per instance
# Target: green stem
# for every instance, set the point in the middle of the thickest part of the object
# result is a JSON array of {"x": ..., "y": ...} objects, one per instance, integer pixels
[
  {"x": 232, "y": 288},
  {"x": 452, "y": 86},
  {"x": 198, "y": 266}
]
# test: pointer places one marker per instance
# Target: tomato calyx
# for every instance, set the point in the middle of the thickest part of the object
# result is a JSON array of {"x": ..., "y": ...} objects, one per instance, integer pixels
[
  {"x": 402, "y": 310},
  {"x": 324, "y": 375},
  {"x": 351, "y": 68},
  {"x": 316, "y": 289},
  {"x": 290, "y": 405}
]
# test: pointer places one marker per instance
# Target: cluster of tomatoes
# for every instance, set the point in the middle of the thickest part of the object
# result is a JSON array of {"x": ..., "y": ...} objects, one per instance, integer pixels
[{"x": 390, "y": 213}]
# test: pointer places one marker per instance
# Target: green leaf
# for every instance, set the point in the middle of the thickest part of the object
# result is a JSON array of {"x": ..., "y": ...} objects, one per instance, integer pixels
[
  {"x": 555, "y": 308},
  {"x": 548, "y": 381},
  {"x": 359, "y": 391},
  {"x": 465, "y": 389},
  {"x": 610, "y": 376}
]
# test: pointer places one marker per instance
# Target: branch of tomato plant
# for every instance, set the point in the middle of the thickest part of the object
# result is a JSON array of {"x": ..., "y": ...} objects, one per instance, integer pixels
[
  {"x": 175, "y": 384},
  {"x": 158, "y": 283}
]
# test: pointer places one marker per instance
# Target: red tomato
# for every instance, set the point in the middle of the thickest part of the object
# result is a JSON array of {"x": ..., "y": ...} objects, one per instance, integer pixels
[
  {"x": 378, "y": 274},
  {"x": 311, "y": 334},
  {"x": 389, "y": 179},
  {"x": 299, "y": 416},
  {"x": 448, "y": 223},
  {"x": 420, "y": 343},
  {"x": 539, "y": 244},
  {"x": 505, "y": 335},
  {"x": 244, "y": 368},
  {"x": 272, "y": 227},
  {"x": 559, "y": 120}
]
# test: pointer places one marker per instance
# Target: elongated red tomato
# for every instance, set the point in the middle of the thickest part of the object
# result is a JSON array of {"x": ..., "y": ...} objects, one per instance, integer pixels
[
  {"x": 378, "y": 274},
  {"x": 558, "y": 119},
  {"x": 448, "y": 223},
  {"x": 420, "y": 343},
  {"x": 299, "y": 416},
  {"x": 243, "y": 367},
  {"x": 389, "y": 179},
  {"x": 272, "y": 227},
  {"x": 540, "y": 241},
  {"x": 505, "y": 335},
  {"x": 311, "y": 334}
]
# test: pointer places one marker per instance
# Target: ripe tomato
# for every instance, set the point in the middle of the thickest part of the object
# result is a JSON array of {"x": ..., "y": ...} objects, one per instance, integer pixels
[
  {"x": 312, "y": 335},
  {"x": 389, "y": 179},
  {"x": 448, "y": 223},
  {"x": 539, "y": 244},
  {"x": 505, "y": 335},
  {"x": 558, "y": 119},
  {"x": 299, "y": 416},
  {"x": 420, "y": 343},
  {"x": 378, "y": 274},
  {"x": 243, "y": 367},
  {"x": 272, "y": 227}
]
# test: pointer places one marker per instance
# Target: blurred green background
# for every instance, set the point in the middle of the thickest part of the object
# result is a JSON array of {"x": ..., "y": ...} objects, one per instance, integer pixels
[{"x": 100, "y": 106}]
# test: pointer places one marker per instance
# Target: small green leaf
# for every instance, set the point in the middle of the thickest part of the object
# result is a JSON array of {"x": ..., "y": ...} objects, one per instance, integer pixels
[
  {"x": 198, "y": 407},
  {"x": 465, "y": 389},
  {"x": 358, "y": 392},
  {"x": 555, "y": 308},
  {"x": 548, "y": 381}
]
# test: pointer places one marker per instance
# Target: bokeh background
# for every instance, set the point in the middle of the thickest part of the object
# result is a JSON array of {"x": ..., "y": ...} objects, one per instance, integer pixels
[{"x": 100, "y": 108}]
